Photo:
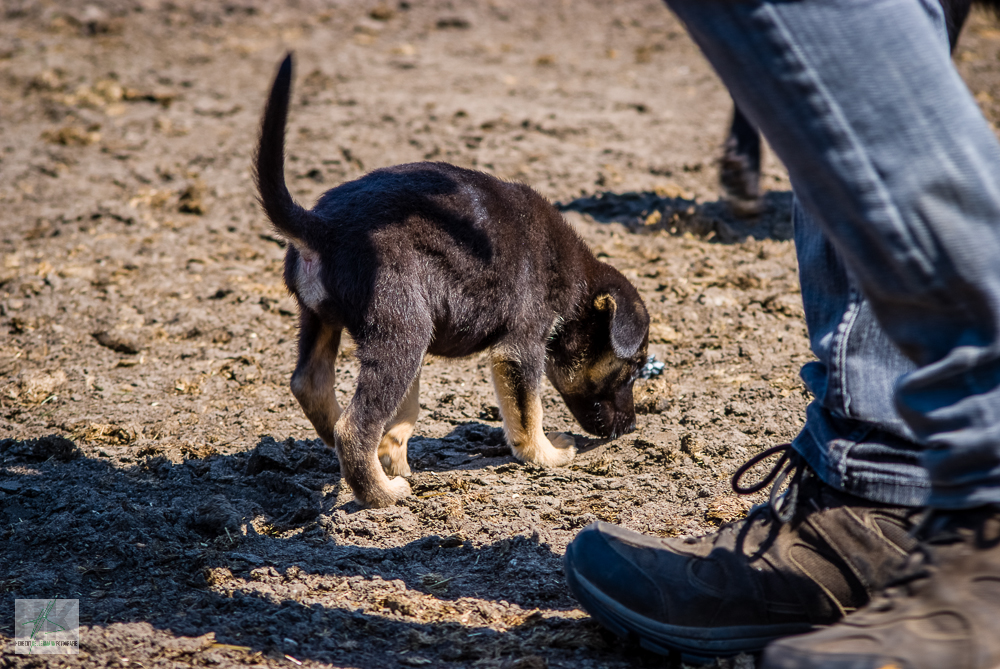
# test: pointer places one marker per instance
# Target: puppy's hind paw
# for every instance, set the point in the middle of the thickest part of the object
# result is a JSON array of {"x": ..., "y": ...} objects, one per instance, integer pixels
[
  {"x": 400, "y": 488},
  {"x": 395, "y": 490},
  {"x": 398, "y": 467},
  {"x": 564, "y": 451}
]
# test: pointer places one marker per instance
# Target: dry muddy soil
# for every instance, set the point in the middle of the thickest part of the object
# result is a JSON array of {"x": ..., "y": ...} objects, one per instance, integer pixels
[{"x": 153, "y": 462}]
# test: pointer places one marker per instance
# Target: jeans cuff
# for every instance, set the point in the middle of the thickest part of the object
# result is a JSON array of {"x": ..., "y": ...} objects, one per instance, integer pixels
[{"x": 862, "y": 460}]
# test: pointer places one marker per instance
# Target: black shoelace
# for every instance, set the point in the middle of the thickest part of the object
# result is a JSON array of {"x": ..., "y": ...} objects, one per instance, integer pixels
[{"x": 790, "y": 463}]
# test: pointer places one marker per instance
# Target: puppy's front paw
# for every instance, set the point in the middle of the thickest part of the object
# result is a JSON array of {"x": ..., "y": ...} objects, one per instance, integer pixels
[
  {"x": 565, "y": 448},
  {"x": 554, "y": 449}
]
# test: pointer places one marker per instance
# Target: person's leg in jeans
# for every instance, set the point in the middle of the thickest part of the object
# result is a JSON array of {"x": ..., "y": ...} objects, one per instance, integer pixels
[
  {"x": 893, "y": 162},
  {"x": 853, "y": 438}
]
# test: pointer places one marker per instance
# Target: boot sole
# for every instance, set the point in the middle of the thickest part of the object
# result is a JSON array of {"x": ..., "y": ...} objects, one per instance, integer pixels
[{"x": 698, "y": 643}]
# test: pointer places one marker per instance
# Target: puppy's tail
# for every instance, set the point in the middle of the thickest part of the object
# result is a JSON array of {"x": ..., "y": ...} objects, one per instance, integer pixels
[{"x": 289, "y": 218}]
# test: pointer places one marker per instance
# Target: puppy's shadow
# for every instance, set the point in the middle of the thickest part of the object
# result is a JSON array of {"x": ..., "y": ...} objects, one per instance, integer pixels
[
  {"x": 643, "y": 212},
  {"x": 585, "y": 445},
  {"x": 469, "y": 446},
  {"x": 472, "y": 446}
]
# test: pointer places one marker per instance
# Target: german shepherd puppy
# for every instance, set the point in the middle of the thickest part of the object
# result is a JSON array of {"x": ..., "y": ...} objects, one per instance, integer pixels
[{"x": 432, "y": 258}]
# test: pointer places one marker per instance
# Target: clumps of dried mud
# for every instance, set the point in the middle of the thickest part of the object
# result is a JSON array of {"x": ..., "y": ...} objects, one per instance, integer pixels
[{"x": 153, "y": 463}]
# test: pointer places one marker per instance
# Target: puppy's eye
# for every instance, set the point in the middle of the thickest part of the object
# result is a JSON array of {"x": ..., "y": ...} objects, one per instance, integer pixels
[{"x": 637, "y": 367}]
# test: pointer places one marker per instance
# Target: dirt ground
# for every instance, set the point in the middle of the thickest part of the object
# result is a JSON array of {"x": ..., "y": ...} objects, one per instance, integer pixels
[{"x": 153, "y": 462}]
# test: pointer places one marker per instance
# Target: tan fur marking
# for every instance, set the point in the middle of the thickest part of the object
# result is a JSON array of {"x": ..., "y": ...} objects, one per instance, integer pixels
[
  {"x": 314, "y": 385},
  {"x": 605, "y": 302},
  {"x": 392, "y": 448},
  {"x": 605, "y": 366},
  {"x": 524, "y": 432},
  {"x": 587, "y": 373}
]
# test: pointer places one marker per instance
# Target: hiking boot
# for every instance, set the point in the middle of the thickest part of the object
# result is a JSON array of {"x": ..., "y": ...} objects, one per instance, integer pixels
[
  {"x": 805, "y": 559},
  {"x": 943, "y": 610}
]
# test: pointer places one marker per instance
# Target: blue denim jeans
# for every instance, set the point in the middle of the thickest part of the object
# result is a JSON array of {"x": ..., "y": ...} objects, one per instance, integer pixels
[{"x": 897, "y": 226}]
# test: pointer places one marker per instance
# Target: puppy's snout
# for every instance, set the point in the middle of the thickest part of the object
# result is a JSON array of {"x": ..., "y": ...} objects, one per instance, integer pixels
[
  {"x": 609, "y": 415},
  {"x": 624, "y": 422},
  {"x": 606, "y": 419},
  {"x": 628, "y": 428},
  {"x": 623, "y": 411}
]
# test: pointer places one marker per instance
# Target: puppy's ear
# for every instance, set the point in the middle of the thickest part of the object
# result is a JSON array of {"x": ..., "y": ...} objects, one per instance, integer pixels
[{"x": 628, "y": 326}]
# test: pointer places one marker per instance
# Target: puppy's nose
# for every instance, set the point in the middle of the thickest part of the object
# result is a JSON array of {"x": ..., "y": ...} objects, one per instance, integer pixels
[{"x": 621, "y": 432}]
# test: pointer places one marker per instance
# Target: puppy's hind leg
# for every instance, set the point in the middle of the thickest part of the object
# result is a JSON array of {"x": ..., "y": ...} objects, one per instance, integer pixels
[
  {"x": 392, "y": 448},
  {"x": 521, "y": 410},
  {"x": 384, "y": 379},
  {"x": 314, "y": 378}
]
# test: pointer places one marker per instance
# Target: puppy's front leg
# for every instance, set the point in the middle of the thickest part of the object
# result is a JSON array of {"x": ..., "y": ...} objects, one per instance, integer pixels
[
  {"x": 392, "y": 448},
  {"x": 521, "y": 410}
]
